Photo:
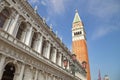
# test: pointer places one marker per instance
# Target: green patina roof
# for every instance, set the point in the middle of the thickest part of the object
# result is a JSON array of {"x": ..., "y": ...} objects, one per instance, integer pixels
[{"x": 77, "y": 17}]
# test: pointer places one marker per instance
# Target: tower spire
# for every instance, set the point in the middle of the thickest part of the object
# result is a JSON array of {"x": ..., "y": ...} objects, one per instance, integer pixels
[
  {"x": 99, "y": 75},
  {"x": 77, "y": 17}
]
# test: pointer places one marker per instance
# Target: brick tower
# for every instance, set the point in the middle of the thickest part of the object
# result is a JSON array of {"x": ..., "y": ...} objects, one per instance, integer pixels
[{"x": 79, "y": 45}]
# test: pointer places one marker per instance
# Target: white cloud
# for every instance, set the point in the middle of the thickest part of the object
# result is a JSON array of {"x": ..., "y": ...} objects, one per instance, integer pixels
[
  {"x": 103, "y": 31},
  {"x": 55, "y": 6},
  {"x": 103, "y": 8},
  {"x": 105, "y": 11},
  {"x": 33, "y": 1},
  {"x": 58, "y": 6},
  {"x": 43, "y": 2}
]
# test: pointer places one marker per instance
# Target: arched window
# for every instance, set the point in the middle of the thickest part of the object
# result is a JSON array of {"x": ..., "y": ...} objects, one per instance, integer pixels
[
  {"x": 34, "y": 39},
  {"x": 21, "y": 31},
  {"x": 51, "y": 54},
  {"x": 9, "y": 71},
  {"x": 84, "y": 64},
  {"x": 57, "y": 58},
  {"x": 78, "y": 33},
  {"x": 44, "y": 48},
  {"x": 4, "y": 14}
]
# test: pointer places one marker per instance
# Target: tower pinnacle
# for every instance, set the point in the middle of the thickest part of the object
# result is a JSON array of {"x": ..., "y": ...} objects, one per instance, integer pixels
[
  {"x": 77, "y": 17},
  {"x": 99, "y": 75}
]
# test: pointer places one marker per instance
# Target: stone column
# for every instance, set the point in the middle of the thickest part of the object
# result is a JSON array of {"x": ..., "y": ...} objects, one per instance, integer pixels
[
  {"x": 40, "y": 42},
  {"x": 7, "y": 24},
  {"x": 54, "y": 78},
  {"x": 31, "y": 36},
  {"x": 21, "y": 72},
  {"x": 48, "y": 50},
  {"x": 47, "y": 76},
  {"x": 54, "y": 55},
  {"x": 68, "y": 67},
  {"x": 2, "y": 61},
  {"x": 12, "y": 27},
  {"x": 36, "y": 75},
  {"x": 43, "y": 75},
  {"x": 24, "y": 33},
  {"x": 50, "y": 77},
  {"x": 28, "y": 36}
]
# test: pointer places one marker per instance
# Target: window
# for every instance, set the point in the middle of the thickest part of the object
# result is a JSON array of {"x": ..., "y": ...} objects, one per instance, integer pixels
[
  {"x": 33, "y": 40},
  {"x": 3, "y": 16},
  {"x": 20, "y": 31},
  {"x": 84, "y": 64},
  {"x": 57, "y": 58},
  {"x": 51, "y": 53},
  {"x": 44, "y": 46},
  {"x": 13, "y": 1},
  {"x": 78, "y": 33}
]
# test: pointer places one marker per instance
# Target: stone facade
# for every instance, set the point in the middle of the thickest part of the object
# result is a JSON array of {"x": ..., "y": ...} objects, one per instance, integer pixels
[{"x": 29, "y": 49}]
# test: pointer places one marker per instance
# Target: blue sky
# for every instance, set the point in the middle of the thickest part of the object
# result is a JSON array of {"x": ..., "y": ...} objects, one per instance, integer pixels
[{"x": 101, "y": 20}]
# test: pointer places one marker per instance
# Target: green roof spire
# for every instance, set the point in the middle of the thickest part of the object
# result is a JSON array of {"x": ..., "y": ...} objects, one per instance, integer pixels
[{"x": 77, "y": 17}]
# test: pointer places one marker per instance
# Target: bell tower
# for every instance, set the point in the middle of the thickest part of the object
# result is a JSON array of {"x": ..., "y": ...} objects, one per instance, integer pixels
[{"x": 79, "y": 45}]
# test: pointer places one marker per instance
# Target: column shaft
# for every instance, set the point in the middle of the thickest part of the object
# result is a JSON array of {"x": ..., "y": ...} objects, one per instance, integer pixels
[
  {"x": 23, "y": 36},
  {"x": 2, "y": 61},
  {"x": 28, "y": 36},
  {"x": 31, "y": 36},
  {"x": 6, "y": 28},
  {"x": 36, "y": 75},
  {"x": 21, "y": 72},
  {"x": 68, "y": 67},
  {"x": 12, "y": 27}
]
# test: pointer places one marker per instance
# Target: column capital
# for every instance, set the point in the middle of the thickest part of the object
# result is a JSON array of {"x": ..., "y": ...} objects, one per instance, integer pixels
[
  {"x": 15, "y": 61},
  {"x": 3, "y": 56}
]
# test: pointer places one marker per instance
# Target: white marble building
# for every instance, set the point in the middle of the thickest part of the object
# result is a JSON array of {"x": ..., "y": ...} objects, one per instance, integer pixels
[{"x": 29, "y": 49}]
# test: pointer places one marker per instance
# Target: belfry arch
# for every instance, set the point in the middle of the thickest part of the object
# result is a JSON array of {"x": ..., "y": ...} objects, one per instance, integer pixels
[{"x": 9, "y": 72}]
